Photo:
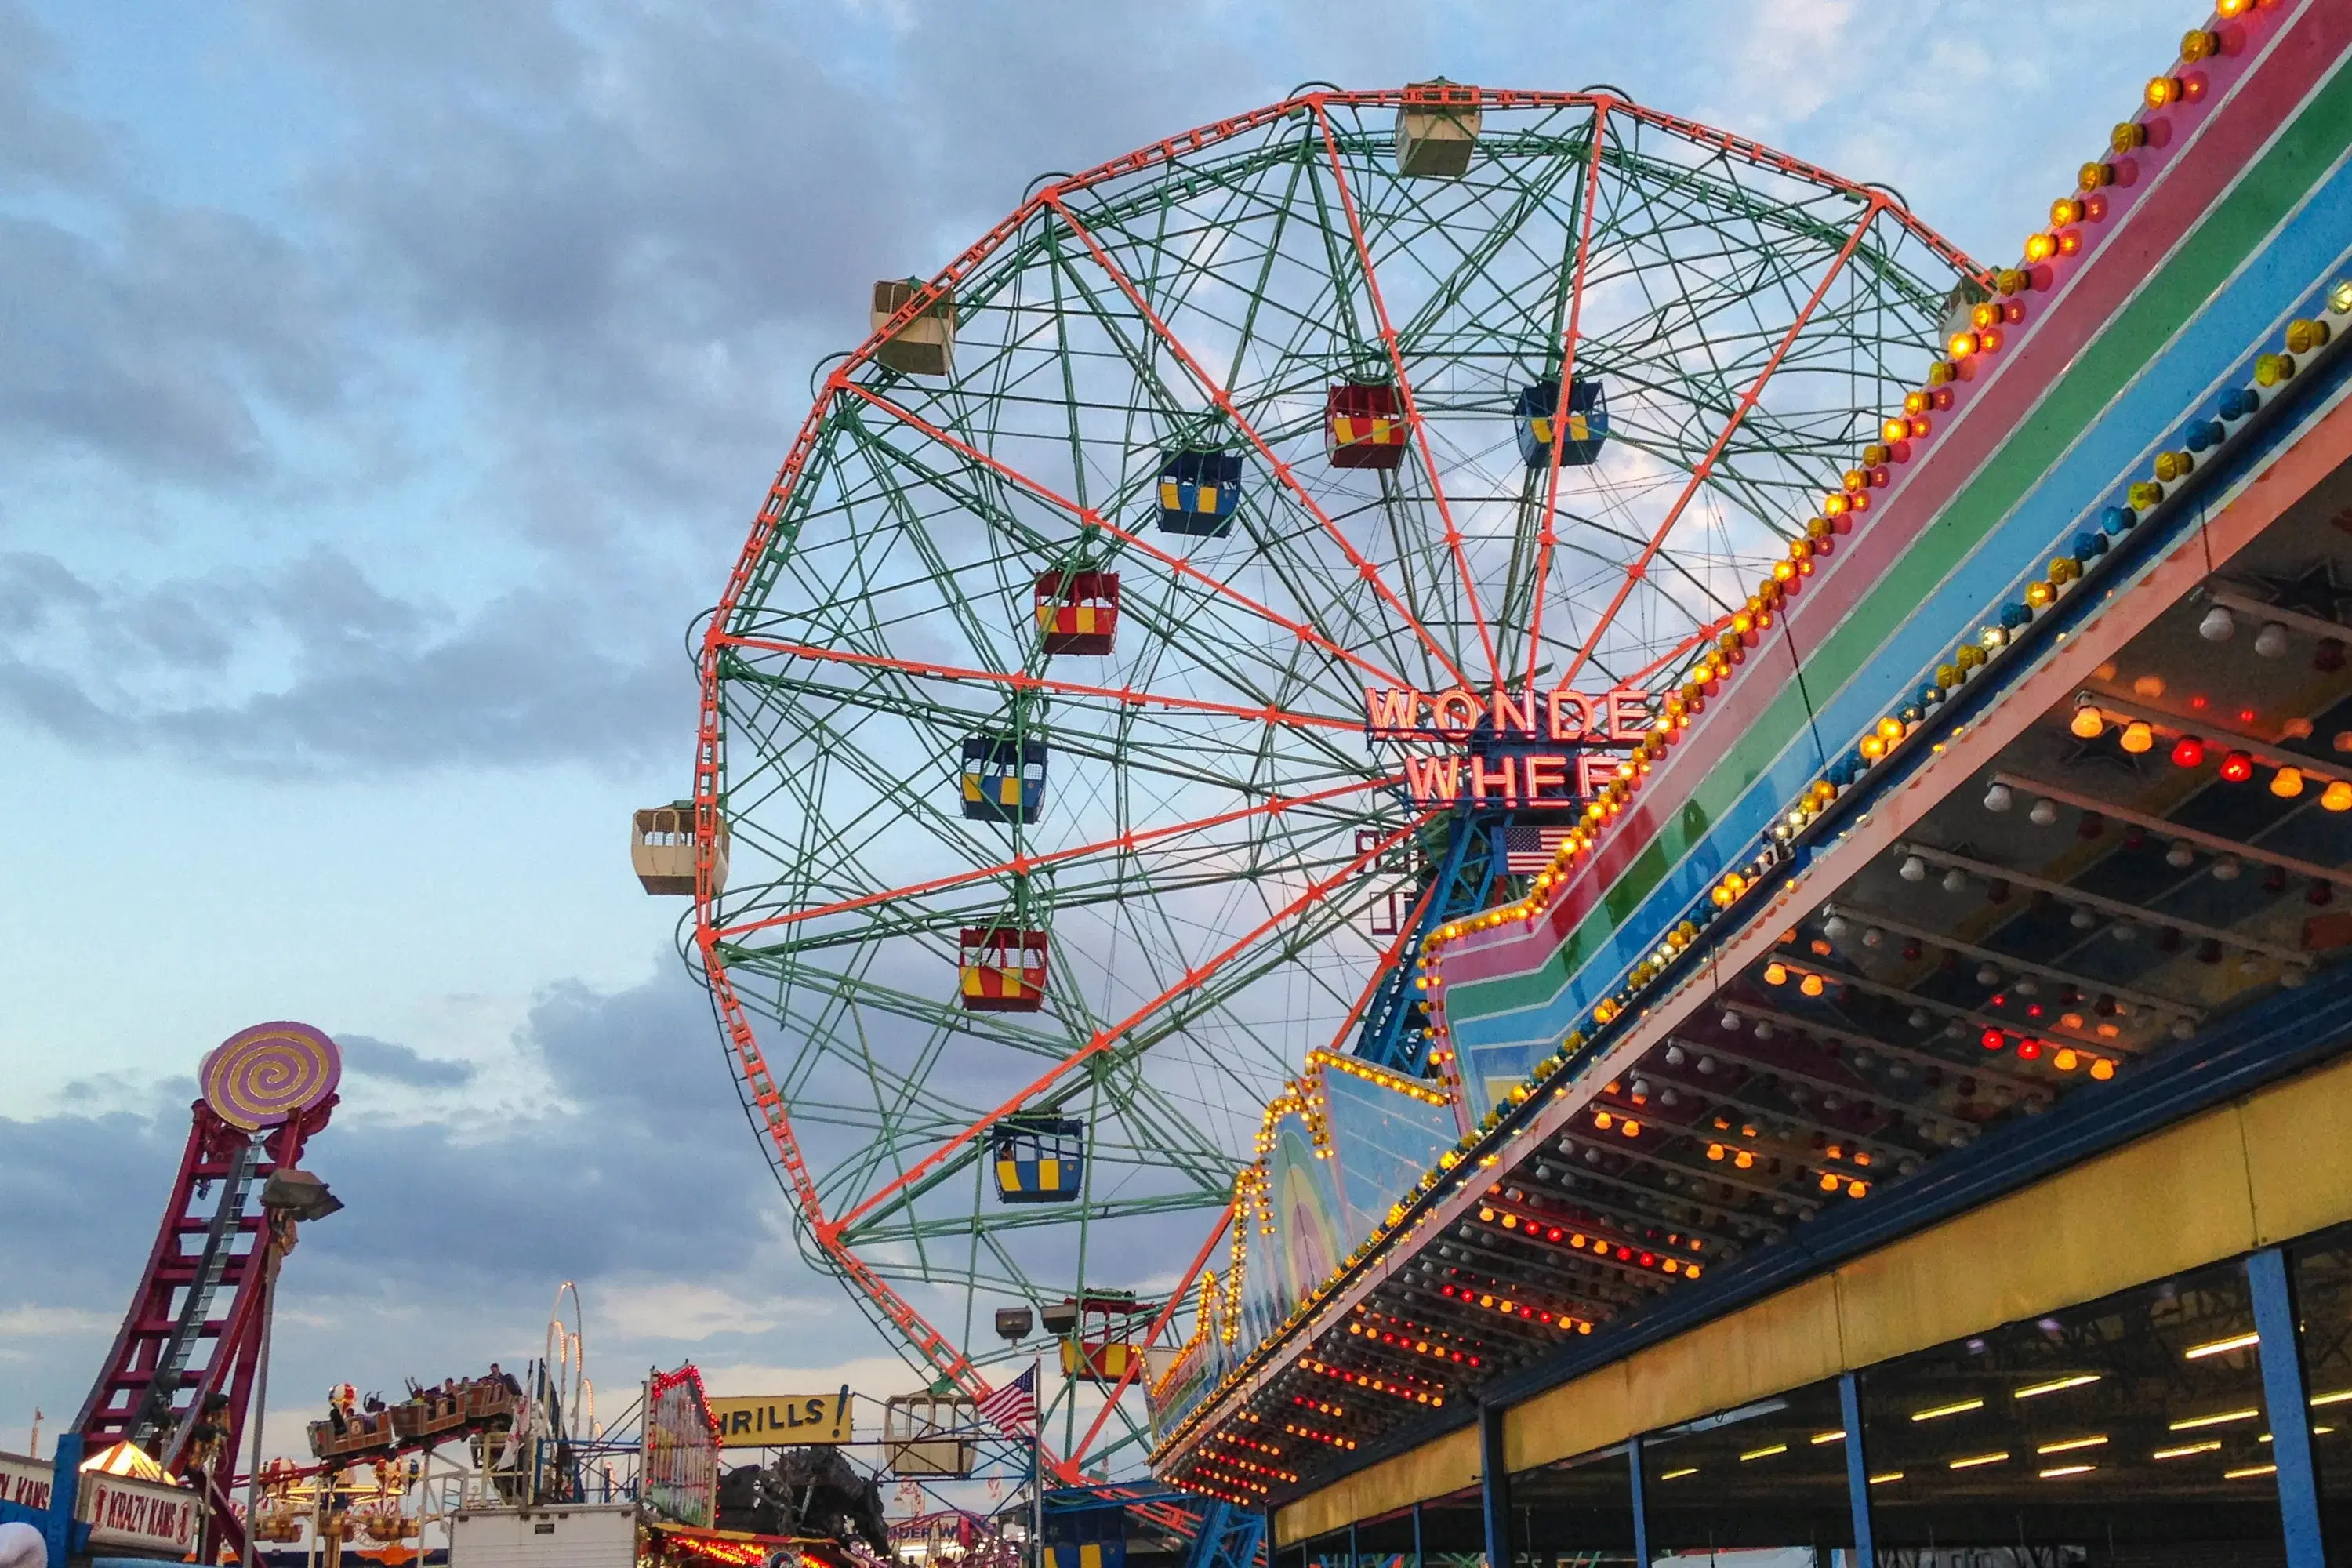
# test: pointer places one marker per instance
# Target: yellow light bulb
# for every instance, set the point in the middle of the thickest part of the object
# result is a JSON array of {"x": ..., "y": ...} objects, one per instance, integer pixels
[
  {"x": 2287, "y": 783},
  {"x": 2336, "y": 797},
  {"x": 2088, "y": 722},
  {"x": 2137, "y": 737}
]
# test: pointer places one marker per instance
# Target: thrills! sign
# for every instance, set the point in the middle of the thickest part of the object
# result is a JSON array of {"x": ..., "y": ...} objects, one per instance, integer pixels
[
  {"x": 780, "y": 1420},
  {"x": 1504, "y": 749}
]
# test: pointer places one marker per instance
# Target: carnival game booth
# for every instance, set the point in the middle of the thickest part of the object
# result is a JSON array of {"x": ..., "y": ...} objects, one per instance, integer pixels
[
  {"x": 118, "y": 1504},
  {"x": 1905, "y": 1114}
]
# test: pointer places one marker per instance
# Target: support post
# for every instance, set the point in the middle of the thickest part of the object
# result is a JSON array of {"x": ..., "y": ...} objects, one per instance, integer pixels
[
  {"x": 1857, "y": 1469},
  {"x": 65, "y": 1499},
  {"x": 1495, "y": 1487},
  {"x": 1351, "y": 1544},
  {"x": 1416, "y": 1536},
  {"x": 2275, "y": 1319},
  {"x": 1641, "y": 1505}
]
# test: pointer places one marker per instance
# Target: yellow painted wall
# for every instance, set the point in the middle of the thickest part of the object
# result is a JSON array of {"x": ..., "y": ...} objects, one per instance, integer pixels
[{"x": 2255, "y": 1171}]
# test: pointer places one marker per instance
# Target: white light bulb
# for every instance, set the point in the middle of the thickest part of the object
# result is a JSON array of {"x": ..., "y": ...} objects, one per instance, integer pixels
[
  {"x": 2271, "y": 641},
  {"x": 2043, "y": 813},
  {"x": 2217, "y": 624},
  {"x": 1913, "y": 869},
  {"x": 1998, "y": 798}
]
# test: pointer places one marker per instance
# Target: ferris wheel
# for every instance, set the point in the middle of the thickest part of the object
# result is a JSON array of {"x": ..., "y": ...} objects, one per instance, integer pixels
[{"x": 1041, "y": 827}]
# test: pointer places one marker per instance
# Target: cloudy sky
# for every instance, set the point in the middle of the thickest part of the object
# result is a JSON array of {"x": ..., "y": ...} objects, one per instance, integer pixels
[{"x": 384, "y": 389}]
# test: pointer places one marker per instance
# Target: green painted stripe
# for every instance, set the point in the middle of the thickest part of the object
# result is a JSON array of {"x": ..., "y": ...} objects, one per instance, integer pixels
[{"x": 2232, "y": 229}]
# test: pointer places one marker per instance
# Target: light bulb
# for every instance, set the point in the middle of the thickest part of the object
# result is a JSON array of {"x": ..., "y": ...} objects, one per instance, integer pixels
[
  {"x": 1956, "y": 881},
  {"x": 1914, "y": 870},
  {"x": 2137, "y": 737},
  {"x": 2271, "y": 641},
  {"x": 2287, "y": 783},
  {"x": 2217, "y": 624},
  {"x": 1998, "y": 798},
  {"x": 2088, "y": 721},
  {"x": 2179, "y": 857},
  {"x": 1834, "y": 927},
  {"x": 2336, "y": 797},
  {"x": 2226, "y": 868},
  {"x": 2043, "y": 813}
]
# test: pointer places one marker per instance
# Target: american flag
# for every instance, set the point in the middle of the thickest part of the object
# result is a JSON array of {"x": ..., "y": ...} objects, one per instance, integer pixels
[
  {"x": 1528, "y": 851},
  {"x": 1013, "y": 1406}
]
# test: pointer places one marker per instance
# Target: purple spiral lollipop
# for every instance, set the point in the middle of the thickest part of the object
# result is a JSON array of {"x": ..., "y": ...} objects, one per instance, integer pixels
[{"x": 269, "y": 1073}]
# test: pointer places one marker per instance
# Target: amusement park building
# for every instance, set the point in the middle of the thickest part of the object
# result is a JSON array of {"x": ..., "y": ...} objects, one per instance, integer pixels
[
  {"x": 1910, "y": 1112},
  {"x": 1877, "y": 1090}
]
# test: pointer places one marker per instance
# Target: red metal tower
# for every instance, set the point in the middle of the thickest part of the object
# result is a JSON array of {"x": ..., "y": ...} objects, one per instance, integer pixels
[{"x": 181, "y": 1372}]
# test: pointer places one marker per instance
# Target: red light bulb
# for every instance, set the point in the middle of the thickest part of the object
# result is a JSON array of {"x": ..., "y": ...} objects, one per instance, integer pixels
[
  {"x": 2237, "y": 767},
  {"x": 2189, "y": 751},
  {"x": 1994, "y": 1039}
]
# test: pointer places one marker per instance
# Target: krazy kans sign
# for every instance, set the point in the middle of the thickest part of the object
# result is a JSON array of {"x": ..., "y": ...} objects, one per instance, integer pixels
[{"x": 1511, "y": 763}]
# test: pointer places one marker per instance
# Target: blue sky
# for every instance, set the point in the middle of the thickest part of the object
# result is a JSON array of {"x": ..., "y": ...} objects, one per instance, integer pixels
[{"x": 383, "y": 391}]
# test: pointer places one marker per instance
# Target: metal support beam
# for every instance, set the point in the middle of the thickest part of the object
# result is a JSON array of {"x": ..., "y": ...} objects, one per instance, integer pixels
[
  {"x": 1495, "y": 1487},
  {"x": 1416, "y": 1536},
  {"x": 2282, "y": 1392},
  {"x": 1641, "y": 1505},
  {"x": 1857, "y": 1469}
]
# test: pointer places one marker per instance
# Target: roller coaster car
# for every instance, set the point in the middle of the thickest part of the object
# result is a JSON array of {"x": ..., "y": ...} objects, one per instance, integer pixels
[
  {"x": 1199, "y": 491},
  {"x": 1003, "y": 779},
  {"x": 360, "y": 1435},
  {"x": 1078, "y": 611},
  {"x": 1040, "y": 1160},
  {"x": 1437, "y": 130},
  {"x": 661, "y": 850},
  {"x": 1588, "y": 423},
  {"x": 1000, "y": 969},
  {"x": 1092, "y": 1351},
  {"x": 1364, "y": 425}
]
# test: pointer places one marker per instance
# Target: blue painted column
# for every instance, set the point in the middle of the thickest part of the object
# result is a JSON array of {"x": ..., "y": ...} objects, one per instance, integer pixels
[
  {"x": 65, "y": 1497},
  {"x": 1857, "y": 1469},
  {"x": 2276, "y": 1321},
  {"x": 1353, "y": 1559},
  {"x": 1495, "y": 1487},
  {"x": 1641, "y": 1505},
  {"x": 1416, "y": 1536}
]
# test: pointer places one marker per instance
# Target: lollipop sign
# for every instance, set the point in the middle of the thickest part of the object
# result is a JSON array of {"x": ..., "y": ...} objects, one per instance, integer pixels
[{"x": 270, "y": 1073}]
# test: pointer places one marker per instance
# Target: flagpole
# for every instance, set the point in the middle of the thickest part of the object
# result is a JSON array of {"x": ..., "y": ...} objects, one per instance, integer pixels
[{"x": 1036, "y": 1467}]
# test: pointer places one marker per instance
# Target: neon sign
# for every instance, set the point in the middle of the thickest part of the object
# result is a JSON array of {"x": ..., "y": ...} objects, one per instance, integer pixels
[{"x": 1508, "y": 749}]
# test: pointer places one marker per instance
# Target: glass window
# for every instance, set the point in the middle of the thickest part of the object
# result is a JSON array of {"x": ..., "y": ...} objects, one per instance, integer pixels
[
  {"x": 1768, "y": 1475},
  {"x": 1574, "y": 1513},
  {"x": 2128, "y": 1427},
  {"x": 1454, "y": 1531},
  {"x": 2323, "y": 1289}
]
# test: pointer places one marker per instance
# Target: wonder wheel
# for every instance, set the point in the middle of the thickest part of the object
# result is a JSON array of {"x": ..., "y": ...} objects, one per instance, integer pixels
[{"x": 1039, "y": 835}]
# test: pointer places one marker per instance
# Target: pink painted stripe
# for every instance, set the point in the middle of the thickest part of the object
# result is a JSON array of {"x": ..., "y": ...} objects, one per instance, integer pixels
[{"x": 2144, "y": 221}]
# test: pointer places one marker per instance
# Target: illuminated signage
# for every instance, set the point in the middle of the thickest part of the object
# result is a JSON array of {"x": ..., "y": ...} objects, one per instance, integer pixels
[
  {"x": 1504, "y": 749},
  {"x": 784, "y": 1420}
]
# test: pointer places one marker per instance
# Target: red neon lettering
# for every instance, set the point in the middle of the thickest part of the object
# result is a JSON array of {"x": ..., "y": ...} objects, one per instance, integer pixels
[
  {"x": 1593, "y": 773},
  {"x": 1541, "y": 774},
  {"x": 1447, "y": 704},
  {"x": 1519, "y": 715},
  {"x": 1562, "y": 727},
  {"x": 1391, "y": 709},
  {"x": 1500, "y": 782},
  {"x": 1629, "y": 717},
  {"x": 1433, "y": 779}
]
